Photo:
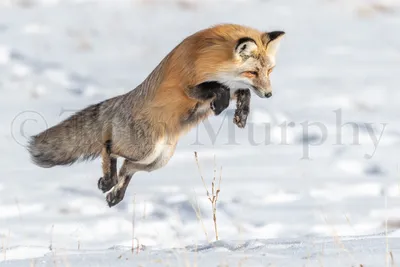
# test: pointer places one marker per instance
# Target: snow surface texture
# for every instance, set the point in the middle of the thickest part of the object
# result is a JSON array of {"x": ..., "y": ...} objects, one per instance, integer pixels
[{"x": 283, "y": 201}]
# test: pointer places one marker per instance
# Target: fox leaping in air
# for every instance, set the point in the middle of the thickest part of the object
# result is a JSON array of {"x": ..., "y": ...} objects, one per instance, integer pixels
[{"x": 196, "y": 79}]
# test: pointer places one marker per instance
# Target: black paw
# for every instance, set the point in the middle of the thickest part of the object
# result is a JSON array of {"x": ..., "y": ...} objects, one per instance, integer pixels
[
  {"x": 114, "y": 197},
  {"x": 240, "y": 118},
  {"x": 105, "y": 184},
  {"x": 221, "y": 101},
  {"x": 242, "y": 107}
]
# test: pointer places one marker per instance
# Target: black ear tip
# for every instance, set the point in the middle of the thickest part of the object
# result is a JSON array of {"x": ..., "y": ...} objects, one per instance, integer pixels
[{"x": 275, "y": 34}]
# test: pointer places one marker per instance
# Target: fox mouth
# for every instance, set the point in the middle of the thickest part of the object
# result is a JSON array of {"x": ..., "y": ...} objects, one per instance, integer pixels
[{"x": 260, "y": 92}]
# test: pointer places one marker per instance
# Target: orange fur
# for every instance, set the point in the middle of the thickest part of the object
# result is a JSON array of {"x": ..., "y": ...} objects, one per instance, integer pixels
[{"x": 192, "y": 62}]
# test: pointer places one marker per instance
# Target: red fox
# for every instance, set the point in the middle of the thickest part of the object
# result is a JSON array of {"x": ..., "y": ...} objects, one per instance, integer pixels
[{"x": 197, "y": 78}]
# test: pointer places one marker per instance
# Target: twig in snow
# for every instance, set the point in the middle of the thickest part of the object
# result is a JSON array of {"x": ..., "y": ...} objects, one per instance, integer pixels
[
  {"x": 133, "y": 223},
  {"x": 199, "y": 217},
  {"x": 213, "y": 198},
  {"x": 51, "y": 238}
]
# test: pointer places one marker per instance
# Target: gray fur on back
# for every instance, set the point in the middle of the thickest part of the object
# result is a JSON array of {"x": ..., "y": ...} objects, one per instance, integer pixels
[{"x": 82, "y": 135}]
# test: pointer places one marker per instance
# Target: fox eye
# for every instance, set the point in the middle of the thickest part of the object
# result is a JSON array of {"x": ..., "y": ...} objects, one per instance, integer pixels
[
  {"x": 270, "y": 70},
  {"x": 251, "y": 74}
]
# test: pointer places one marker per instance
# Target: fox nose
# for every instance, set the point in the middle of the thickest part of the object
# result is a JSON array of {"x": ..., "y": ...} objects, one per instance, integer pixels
[{"x": 268, "y": 95}]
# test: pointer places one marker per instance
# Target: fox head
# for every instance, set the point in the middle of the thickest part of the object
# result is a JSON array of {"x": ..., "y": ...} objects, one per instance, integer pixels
[
  {"x": 240, "y": 57},
  {"x": 254, "y": 64}
]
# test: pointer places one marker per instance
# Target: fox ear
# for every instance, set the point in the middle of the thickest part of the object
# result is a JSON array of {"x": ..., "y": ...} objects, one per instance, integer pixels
[
  {"x": 272, "y": 40},
  {"x": 245, "y": 48}
]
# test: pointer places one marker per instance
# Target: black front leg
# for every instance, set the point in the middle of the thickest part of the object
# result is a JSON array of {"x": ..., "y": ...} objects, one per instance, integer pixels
[
  {"x": 242, "y": 107},
  {"x": 219, "y": 93}
]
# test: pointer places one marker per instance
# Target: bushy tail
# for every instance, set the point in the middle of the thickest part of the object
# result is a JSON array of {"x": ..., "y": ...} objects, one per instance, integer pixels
[{"x": 78, "y": 137}]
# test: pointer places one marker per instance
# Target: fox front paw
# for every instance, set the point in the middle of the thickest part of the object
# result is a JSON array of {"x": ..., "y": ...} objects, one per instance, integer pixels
[
  {"x": 240, "y": 118},
  {"x": 221, "y": 101},
  {"x": 242, "y": 107}
]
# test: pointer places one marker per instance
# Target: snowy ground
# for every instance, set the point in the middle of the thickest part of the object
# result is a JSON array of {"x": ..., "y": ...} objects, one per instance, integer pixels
[{"x": 289, "y": 196}]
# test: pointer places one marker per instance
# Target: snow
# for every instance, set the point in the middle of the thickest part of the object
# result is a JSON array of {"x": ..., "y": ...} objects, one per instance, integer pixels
[
  {"x": 352, "y": 251},
  {"x": 300, "y": 187}
]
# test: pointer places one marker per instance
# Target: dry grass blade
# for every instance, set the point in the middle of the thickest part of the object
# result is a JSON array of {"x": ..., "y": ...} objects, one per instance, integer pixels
[
  {"x": 133, "y": 223},
  {"x": 51, "y": 238},
  {"x": 201, "y": 175},
  {"x": 199, "y": 216},
  {"x": 5, "y": 245},
  {"x": 213, "y": 198}
]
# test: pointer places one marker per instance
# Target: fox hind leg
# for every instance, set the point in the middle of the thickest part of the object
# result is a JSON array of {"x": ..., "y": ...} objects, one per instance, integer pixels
[
  {"x": 109, "y": 165},
  {"x": 127, "y": 170},
  {"x": 117, "y": 194}
]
